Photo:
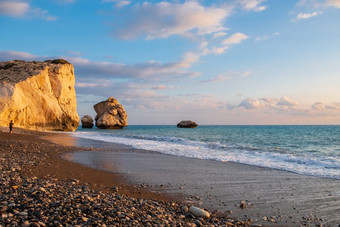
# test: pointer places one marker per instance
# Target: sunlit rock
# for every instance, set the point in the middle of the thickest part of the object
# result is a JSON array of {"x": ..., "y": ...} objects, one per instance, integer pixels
[
  {"x": 110, "y": 114},
  {"x": 38, "y": 95}
]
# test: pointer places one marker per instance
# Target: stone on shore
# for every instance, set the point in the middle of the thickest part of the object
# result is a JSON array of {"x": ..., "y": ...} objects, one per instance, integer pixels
[
  {"x": 87, "y": 121},
  {"x": 199, "y": 212},
  {"x": 110, "y": 114},
  {"x": 27, "y": 199},
  {"x": 187, "y": 124},
  {"x": 38, "y": 95}
]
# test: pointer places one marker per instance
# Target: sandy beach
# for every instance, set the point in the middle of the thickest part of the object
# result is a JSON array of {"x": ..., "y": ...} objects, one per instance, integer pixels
[
  {"x": 39, "y": 188},
  {"x": 269, "y": 196},
  {"x": 235, "y": 194}
]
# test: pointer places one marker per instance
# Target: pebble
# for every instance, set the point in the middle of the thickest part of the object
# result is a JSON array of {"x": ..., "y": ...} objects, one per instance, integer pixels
[
  {"x": 198, "y": 223},
  {"x": 26, "y": 200},
  {"x": 199, "y": 212}
]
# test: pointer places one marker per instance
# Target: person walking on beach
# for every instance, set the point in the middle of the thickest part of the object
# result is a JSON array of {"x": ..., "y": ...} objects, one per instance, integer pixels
[{"x": 11, "y": 127}]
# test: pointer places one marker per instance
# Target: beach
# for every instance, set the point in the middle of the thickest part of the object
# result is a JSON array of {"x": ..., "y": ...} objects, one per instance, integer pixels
[
  {"x": 235, "y": 194},
  {"x": 39, "y": 188}
]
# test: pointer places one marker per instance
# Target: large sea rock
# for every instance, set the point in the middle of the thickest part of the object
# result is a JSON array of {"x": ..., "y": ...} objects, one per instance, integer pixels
[
  {"x": 87, "y": 121},
  {"x": 110, "y": 114},
  {"x": 187, "y": 124},
  {"x": 38, "y": 95}
]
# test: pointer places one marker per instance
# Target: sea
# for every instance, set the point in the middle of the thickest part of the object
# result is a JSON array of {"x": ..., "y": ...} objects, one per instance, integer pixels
[{"x": 308, "y": 150}]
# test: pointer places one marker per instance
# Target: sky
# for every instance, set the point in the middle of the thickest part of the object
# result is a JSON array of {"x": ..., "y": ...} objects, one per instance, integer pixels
[{"x": 217, "y": 62}]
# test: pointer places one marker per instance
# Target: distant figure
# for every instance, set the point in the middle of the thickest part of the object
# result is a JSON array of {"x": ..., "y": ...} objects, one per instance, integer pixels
[{"x": 11, "y": 127}]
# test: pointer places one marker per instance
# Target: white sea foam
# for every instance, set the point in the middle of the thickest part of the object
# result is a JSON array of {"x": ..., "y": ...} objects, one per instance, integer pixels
[{"x": 326, "y": 166}]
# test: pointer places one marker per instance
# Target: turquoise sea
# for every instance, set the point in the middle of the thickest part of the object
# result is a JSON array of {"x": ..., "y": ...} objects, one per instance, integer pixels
[{"x": 310, "y": 150}]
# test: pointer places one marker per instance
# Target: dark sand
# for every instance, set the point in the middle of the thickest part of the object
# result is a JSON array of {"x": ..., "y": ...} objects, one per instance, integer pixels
[
  {"x": 38, "y": 188},
  {"x": 272, "y": 197},
  {"x": 50, "y": 164}
]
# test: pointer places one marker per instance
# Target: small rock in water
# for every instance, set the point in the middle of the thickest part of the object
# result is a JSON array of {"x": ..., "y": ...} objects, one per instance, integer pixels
[{"x": 199, "y": 212}]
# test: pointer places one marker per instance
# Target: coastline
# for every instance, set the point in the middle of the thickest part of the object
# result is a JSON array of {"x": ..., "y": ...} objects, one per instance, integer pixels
[
  {"x": 131, "y": 172},
  {"x": 39, "y": 188},
  {"x": 271, "y": 197}
]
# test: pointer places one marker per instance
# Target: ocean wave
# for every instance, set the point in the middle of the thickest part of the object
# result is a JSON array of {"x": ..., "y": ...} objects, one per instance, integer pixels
[{"x": 277, "y": 158}]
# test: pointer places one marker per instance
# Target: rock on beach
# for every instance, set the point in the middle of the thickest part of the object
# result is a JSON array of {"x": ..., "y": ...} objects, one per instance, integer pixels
[
  {"x": 28, "y": 200},
  {"x": 110, "y": 114},
  {"x": 87, "y": 121},
  {"x": 199, "y": 212}
]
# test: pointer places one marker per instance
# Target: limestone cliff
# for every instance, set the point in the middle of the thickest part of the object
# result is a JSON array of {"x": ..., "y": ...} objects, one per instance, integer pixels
[{"x": 38, "y": 95}]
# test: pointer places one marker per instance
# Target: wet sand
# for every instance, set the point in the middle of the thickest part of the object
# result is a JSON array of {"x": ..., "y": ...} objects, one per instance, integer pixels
[
  {"x": 39, "y": 188},
  {"x": 267, "y": 196}
]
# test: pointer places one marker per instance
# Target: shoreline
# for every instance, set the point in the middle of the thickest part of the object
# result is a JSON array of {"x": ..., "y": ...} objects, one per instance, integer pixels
[
  {"x": 39, "y": 188},
  {"x": 154, "y": 170},
  {"x": 239, "y": 188}
]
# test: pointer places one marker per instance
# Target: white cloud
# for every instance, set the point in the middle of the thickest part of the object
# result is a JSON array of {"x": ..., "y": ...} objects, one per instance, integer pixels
[
  {"x": 91, "y": 83},
  {"x": 20, "y": 9},
  {"x": 226, "y": 76},
  {"x": 123, "y": 3},
  {"x": 145, "y": 70},
  {"x": 319, "y": 106},
  {"x": 234, "y": 39},
  {"x": 162, "y": 87},
  {"x": 223, "y": 46},
  {"x": 333, "y": 3},
  {"x": 14, "y": 8},
  {"x": 219, "y": 34},
  {"x": 164, "y": 19},
  {"x": 308, "y": 15},
  {"x": 245, "y": 74},
  {"x": 253, "y": 104},
  {"x": 66, "y": 1},
  {"x": 219, "y": 78},
  {"x": 283, "y": 103},
  {"x": 44, "y": 14},
  {"x": 264, "y": 38},
  {"x": 320, "y": 3},
  {"x": 119, "y": 3},
  {"x": 150, "y": 70},
  {"x": 252, "y": 5},
  {"x": 16, "y": 55}
]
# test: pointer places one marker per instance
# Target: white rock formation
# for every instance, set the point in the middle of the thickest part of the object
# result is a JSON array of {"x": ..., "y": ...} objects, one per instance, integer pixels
[{"x": 38, "y": 95}]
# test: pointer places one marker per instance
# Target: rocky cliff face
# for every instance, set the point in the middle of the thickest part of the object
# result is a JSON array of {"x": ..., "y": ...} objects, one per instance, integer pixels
[
  {"x": 38, "y": 95},
  {"x": 110, "y": 114}
]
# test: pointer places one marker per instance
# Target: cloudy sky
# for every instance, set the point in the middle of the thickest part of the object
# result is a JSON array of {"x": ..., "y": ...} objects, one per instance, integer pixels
[{"x": 214, "y": 62}]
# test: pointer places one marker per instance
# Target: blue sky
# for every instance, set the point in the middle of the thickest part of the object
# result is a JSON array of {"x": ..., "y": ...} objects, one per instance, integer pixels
[{"x": 214, "y": 62}]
